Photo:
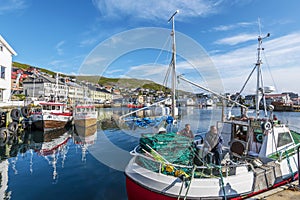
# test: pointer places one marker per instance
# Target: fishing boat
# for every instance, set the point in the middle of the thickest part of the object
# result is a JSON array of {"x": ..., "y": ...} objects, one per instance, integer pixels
[
  {"x": 259, "y": 154},
  {"x": 85, "y": 118},
  {"x": 49, "y": 116}
]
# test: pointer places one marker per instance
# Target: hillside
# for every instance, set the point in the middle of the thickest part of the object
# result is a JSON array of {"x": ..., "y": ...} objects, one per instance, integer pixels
[{"x": 117, "y": 82}]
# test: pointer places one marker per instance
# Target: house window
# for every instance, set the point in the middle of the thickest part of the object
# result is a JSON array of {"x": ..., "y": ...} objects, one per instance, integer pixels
[
  {"x": 1, "y": 95},
  {"x": 1, "y": 48},
  {"x": 2, "y": 70}
]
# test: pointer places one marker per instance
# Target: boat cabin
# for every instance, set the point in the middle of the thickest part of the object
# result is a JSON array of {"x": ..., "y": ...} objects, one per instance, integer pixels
[
  {"x": 53, "y": 107},
  {"x": 256, "y": 138}
]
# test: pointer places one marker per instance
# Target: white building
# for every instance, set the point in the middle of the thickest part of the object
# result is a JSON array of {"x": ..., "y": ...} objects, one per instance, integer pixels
[{"x": 6, "y": 53}]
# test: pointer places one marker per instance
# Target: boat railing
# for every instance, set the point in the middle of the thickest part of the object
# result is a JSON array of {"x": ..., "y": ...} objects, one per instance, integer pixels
[{"x": 207, "y": 170}]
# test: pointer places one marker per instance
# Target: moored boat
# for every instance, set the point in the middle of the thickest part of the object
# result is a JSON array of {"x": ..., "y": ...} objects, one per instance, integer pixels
[
  {"x": 85, "y": 119},
  {"x": 50, "y": 116},
  {"x": 258, "y": 154}
]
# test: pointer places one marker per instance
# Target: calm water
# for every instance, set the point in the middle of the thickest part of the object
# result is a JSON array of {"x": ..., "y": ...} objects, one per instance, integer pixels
[{"x": 63, "y": 166}]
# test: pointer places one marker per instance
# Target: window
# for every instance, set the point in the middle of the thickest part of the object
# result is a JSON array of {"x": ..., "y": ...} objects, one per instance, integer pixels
[
  {"x": 284, "y": 138},
  {"x": 1, "y": 95},
  {"x": 1, "y": 47},
  {"x": 2, "y": 70}
]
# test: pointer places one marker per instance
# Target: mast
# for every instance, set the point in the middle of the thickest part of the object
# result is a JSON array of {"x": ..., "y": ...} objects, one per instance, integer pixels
[
  {"x": 259, "y": 89},
  {"x": 56, "y": 88},
  {"x": 173, "y": 64}
]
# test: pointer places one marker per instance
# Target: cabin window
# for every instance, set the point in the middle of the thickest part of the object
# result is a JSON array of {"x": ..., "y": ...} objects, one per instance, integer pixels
[
  {"x": 284, "y": 138},
  {"x": 240, "y": 132},
  {"x": 53, "y": 108},
  {"x": 57, "y": 107},
  {"x": 46, "y": 107}
]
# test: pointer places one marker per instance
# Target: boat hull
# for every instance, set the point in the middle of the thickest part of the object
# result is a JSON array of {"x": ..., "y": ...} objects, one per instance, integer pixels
[
  {"x": 85, "y": 131},
  {"x": 85, "y": 122},
  {"x": 137, "y": 192},
  {"x": 48, "y": 122}
]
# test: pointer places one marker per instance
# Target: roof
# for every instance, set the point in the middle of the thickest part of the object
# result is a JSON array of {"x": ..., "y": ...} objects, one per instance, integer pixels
[
  {"x": 10, "y": 49},
  {"x": 275, "y": 95}
]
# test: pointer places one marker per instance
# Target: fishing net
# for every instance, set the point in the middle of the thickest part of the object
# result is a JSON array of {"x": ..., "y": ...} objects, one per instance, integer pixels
[{"x": 170, "y": 147}]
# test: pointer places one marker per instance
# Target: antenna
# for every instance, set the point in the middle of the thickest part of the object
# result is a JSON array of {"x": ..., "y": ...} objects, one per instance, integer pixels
[{"x": 177, "y": 11}]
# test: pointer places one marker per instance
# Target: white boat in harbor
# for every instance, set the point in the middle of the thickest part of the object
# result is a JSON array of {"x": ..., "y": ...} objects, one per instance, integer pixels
[
  {"x": 85, "y": 119},
  {"x": 50, "y": 116},
  {"x": 259, "y": 154}
]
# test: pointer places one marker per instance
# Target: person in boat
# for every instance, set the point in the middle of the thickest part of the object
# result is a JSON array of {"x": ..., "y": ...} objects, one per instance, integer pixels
[
  {"x": 213, "y": 141},
  {"x": 186, "y": 131}
]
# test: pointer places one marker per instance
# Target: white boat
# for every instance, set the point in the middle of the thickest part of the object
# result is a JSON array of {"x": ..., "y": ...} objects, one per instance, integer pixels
[
  {"x": 50, "y": 116},
  {"x": 85, "y": 119},
  {"x": 259, "y": 154}
]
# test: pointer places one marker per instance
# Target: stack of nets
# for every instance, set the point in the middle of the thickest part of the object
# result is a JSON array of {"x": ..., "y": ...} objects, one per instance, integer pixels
[{"x": 176, "y": 149}]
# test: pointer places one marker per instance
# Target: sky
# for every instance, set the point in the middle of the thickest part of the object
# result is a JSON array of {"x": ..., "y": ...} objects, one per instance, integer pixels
[{"x": 216, "y": 40}]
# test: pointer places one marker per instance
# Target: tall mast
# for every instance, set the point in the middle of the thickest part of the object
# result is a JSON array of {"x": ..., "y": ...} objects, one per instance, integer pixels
[
  {"x": 259, "y": 90},
  {"x": 173, "y": 64}
]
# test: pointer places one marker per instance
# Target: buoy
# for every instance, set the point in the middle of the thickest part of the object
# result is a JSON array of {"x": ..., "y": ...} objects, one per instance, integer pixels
[
  {"x": 267, "y": 126},
  {"x": 15, "y": 114},
  {"x": 13, "y": 127},
  {"x": 259, "y": 137},
  {"x": 4, "y": 136}
]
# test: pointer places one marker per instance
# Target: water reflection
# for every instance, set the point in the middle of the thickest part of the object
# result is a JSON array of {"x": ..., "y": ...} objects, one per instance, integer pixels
[{"x": 62, "y": 162}]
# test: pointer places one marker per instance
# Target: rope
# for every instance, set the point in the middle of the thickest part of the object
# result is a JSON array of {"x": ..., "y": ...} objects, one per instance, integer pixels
[
  {"x": 289, "y": 164},
  {"x": 187, "y": 190},
  {"x": 222, "y": 182},
  {"x": 180, "y": 189}
]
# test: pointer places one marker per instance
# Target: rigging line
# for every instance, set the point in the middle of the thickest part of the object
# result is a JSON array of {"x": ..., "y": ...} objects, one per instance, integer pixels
[
  {"x": 269, "y": 69},
  {"x": 165, "y": 82},
  {"x": 244, "y": 86},
  {"x": 161, "y": 50}
]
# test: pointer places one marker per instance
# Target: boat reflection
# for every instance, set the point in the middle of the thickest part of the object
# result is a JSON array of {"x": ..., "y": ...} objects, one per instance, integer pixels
[
  {"x": 52, "y": 146},
  {"x": 85, "y": 137}
]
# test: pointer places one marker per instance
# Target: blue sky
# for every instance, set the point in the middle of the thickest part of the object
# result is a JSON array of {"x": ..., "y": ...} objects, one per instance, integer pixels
[{"x": 87, "y": 37}]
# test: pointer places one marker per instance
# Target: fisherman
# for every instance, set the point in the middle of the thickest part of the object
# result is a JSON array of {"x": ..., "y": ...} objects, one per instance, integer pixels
[
  {"x": 186, "y": 131},
  {"x": 213, "y": 141}
]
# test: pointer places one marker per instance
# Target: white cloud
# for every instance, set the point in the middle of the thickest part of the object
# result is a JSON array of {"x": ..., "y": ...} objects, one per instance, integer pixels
[
  {"x": 234, "y": 26},
  {"x": 58, "y": 47},
  {"x": 281, "y": 56},
  {"x": 113, "y": 71},
  {"x": 11, "y": 6},
  {"x": 237, "y": 39},
  {"x": 153, "y": 9}
]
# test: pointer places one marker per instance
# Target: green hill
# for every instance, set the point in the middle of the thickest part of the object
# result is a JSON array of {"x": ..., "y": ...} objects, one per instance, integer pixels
[{"x": 117, "y": 82}]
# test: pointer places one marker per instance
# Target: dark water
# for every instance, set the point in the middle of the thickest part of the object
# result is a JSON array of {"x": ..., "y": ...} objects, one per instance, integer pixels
[{"x": 63, "y": 166}]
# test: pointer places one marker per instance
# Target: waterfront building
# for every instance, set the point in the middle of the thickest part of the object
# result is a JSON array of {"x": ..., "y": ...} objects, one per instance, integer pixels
[
  {"x": 46, "y": 88},
  {"x": 6, "y": 53},
  {"x": 99, "y": 95}
]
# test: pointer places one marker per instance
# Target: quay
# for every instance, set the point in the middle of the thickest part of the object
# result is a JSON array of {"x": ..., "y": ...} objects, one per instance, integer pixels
[{"x": 285, "y": 192}]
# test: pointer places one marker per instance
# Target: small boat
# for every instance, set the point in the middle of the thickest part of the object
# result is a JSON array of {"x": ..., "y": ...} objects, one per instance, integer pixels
[
  {"x": 49, "y": 116},
  {"x": 85, "y": 119},
  {"x": 259, "y": 154}
]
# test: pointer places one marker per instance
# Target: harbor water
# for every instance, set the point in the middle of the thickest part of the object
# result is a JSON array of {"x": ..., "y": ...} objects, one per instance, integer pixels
[{"x": 62, "y": 165}]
